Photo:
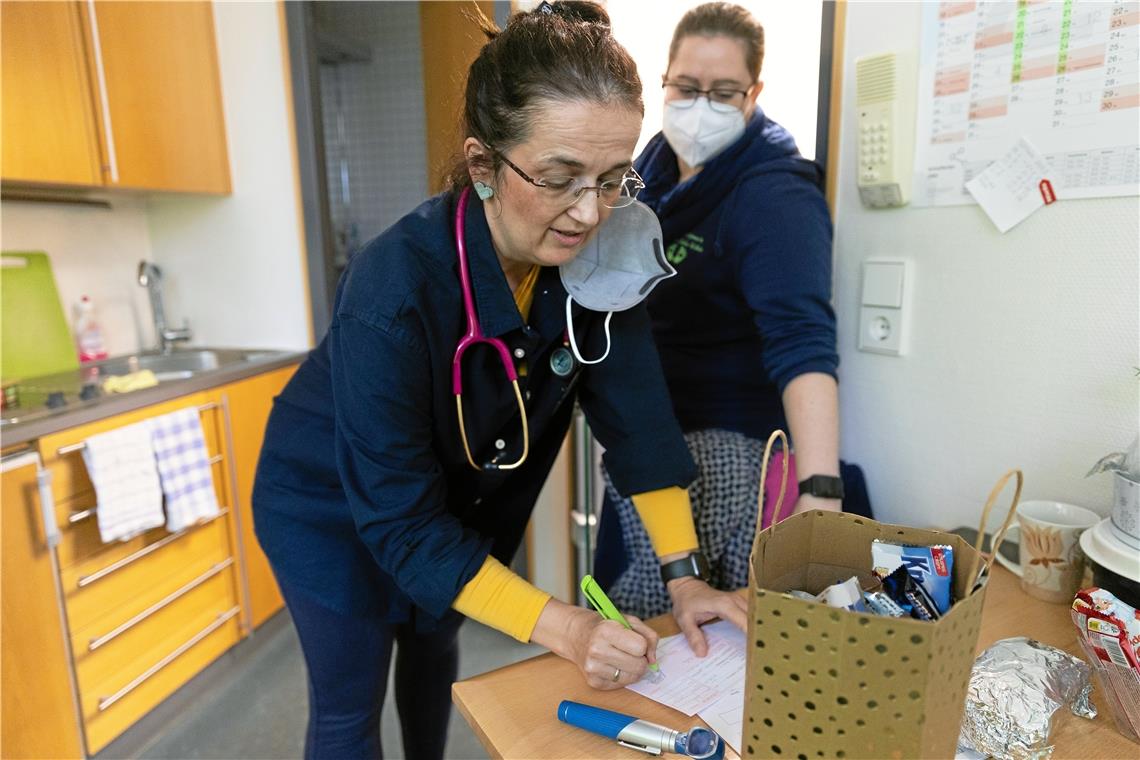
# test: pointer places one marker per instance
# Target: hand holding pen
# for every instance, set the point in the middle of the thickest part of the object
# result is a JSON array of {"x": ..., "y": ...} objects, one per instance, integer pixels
[{"x": 647, "y": 648}]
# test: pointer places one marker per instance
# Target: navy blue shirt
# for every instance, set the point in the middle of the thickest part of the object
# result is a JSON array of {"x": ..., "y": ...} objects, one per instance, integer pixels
[
  {"x": 363, "y": 494},
  {"x": 750, "y": 307}
]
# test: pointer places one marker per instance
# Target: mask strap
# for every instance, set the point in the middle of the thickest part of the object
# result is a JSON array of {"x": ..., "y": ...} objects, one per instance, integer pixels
[{"x": 574, "y": 343}]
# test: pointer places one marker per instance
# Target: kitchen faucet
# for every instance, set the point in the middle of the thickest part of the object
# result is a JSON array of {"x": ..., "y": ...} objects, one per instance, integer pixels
[{"x": 150, "y": 277}]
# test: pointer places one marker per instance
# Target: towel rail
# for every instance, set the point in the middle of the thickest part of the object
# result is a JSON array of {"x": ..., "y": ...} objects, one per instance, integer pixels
[
  {"x": 87, "y": 580},
  {"x": 105, "y": 702},
  {"x": 164, "y": 602},
  {"x": 83, "y": 514},
  {"x": 74, "y": 447}
]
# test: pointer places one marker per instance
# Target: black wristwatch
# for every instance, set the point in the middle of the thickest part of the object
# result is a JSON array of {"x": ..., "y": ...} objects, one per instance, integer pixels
[
  {"x": 823, "y": 486},
  {"x": 693, "y": 566}
]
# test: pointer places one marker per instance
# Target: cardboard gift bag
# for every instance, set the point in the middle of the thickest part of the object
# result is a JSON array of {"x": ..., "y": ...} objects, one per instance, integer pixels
[{"x": 825, "y": 682}]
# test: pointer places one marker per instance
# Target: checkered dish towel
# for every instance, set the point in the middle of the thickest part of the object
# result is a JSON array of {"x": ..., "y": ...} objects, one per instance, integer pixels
[
  {"x": 184, "y": 467},
  {"x": 121, "y": 465}
]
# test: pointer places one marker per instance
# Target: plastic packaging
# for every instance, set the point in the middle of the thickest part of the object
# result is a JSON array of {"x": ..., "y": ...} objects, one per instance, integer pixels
[{"x": 88, "y": 333}]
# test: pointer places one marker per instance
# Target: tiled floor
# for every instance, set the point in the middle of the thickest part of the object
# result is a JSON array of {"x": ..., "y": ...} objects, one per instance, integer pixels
[{"x": 253, "y": 704}]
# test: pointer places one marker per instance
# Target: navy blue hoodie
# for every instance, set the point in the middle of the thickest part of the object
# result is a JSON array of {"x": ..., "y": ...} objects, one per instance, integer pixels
[{"x": 750, "y": 309}]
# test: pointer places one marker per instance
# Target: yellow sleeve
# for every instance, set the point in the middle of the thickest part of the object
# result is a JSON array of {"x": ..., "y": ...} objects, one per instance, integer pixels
[
  {"x": 499, "y": 598},
  {"x": 668, "y": 518}
]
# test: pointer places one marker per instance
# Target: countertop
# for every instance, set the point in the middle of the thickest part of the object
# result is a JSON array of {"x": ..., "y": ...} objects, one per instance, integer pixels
[
  {"x": 512, "y": 709},
  {"x": 83, "y": 412}
]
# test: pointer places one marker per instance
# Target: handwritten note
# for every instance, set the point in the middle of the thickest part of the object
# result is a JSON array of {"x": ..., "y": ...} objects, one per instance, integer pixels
[
  {"x": 1009, "y": 190},
  {"x": 692, "y": 683}
]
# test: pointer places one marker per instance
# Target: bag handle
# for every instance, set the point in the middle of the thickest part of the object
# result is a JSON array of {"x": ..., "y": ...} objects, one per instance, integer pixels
[
  {"x": 776, "y": 434},
  {"x": 1000, "y": 535}
]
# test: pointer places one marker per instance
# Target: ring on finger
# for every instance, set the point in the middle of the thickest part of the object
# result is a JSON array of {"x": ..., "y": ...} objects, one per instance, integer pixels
[{"x": 617, "y": 675}]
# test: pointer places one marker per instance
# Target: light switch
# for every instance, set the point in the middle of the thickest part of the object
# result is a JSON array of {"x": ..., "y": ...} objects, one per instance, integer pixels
[
  {"x": 883, "y": 283},
  {"x": 884, "y": 306}
]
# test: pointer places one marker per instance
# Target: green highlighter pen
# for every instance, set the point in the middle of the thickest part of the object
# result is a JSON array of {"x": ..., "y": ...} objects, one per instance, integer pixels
[{"x": 600, "y": 602}]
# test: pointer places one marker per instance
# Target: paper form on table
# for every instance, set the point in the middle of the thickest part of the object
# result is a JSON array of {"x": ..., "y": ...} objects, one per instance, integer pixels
[
  {"x": 1010, "y": 189},
  {"x": 695, "y": 683}
]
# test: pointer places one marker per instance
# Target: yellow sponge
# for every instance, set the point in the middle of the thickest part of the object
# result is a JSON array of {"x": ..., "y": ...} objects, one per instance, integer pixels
[{"x": 135, "y": 381}]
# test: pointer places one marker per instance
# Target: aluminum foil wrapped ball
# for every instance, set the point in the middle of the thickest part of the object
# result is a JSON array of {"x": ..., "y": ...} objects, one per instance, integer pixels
[{"x": 1016, "y": 687}]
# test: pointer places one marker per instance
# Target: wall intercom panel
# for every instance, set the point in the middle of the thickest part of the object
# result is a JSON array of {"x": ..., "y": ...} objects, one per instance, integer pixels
[{"x": 885, "y": 99}]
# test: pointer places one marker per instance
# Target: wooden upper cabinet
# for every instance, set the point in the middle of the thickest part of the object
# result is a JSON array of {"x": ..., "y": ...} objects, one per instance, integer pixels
[
  {"x": 49, "y": 132},
  {"x": 158, "y": 65}
]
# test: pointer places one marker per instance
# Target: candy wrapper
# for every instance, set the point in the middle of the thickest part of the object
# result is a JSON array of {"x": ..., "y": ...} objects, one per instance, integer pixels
[
  {"x": 1016, "y": 687},
  {"x": 845, "y": 596},
  {"x": 909, "y": 595},
  {"x": 931, "y": 566},
  {"x": 1109, "y": 633}
]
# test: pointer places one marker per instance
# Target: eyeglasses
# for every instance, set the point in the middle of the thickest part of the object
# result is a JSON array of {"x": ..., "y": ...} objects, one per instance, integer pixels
[
  {"x": 723, "y": 99},
  {"x": 565, "y": 191}
]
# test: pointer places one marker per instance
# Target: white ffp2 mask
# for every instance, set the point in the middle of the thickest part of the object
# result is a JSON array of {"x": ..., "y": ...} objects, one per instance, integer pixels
[
  {"x": 698, "y": 132},
  {"x": 618, "y": 267}
]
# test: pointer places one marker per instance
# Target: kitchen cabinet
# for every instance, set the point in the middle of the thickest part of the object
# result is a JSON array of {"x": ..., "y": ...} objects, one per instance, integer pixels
[
  {"x": 48, "y": 112},
  {"x": 39, "y": 717},
  {"x": 249, "y": 404},
  {"x": 135, "y": 93},
  {"x": 147, "y": 614},
  {"x": 96, "y": 635}
]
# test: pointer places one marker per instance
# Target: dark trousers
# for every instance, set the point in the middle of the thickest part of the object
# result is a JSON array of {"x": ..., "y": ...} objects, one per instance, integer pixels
[{"x": 347, "y": 657}]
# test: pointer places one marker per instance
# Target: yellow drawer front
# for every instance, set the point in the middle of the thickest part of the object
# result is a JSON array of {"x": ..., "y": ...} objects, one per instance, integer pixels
[
  {"x": 91, "y": 588},
  {"x": 112, "y": 706},
  {"x": 80, "y": 535},
  {"x": 69, "y": 474},
  {"x": 138, "y": 641}
]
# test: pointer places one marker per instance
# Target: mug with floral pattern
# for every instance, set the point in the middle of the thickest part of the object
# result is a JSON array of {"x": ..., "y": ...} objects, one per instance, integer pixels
[{"x": 1051, "y": 563}]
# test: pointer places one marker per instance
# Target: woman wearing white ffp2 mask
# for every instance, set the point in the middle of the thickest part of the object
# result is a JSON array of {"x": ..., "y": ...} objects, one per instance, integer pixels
[{"x": 745, "y": 331}]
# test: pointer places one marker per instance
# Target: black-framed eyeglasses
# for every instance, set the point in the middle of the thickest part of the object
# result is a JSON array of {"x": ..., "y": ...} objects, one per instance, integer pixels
[
  {"x": 566, "y": 190},
  {"x": 720, "y": 98}
]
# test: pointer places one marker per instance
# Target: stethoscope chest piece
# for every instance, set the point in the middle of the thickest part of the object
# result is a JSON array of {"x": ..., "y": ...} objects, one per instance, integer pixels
[{"x": 562, "y": 361}]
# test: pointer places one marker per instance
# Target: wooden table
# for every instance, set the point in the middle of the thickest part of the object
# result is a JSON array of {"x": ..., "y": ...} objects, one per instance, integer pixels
[{"x": 512, "y": 709}]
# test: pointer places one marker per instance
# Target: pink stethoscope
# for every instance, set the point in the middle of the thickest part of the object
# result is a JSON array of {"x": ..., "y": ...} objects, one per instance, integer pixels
[{"x": 474, "y": 337}]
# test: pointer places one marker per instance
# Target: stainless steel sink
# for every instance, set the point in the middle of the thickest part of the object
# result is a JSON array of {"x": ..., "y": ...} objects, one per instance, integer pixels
[
  {"x": 174, "y": 366},
  {"x": 179, "y": 365}
]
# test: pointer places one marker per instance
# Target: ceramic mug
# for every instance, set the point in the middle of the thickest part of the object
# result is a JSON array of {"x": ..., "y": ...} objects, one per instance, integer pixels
[{"x": 1051, "y": 562}]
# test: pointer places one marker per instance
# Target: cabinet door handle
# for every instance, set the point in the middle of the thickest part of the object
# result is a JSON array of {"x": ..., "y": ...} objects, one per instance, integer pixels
[
  {"x": 74, "y": 447},
  {"x": 47, "y": 507},
  {"x": 105, "y": 702},
  {"x": 101, "y": 77},
  {"x": 87, "y": 580},
  {"x": 118, "y": 631}
]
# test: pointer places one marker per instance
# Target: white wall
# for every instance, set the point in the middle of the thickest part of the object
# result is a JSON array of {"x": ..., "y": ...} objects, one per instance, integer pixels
[
  {"x": 235, "y": 265},
  {"x": 1022, "y": 345},
  {"x": 93, "y": 251}
]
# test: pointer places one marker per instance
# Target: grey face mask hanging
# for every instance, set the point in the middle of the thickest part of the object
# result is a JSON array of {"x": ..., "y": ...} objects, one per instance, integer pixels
[{"x": 617, "y": 269}]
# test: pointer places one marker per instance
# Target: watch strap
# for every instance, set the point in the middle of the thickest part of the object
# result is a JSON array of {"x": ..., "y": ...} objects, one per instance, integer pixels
[
  {"x": 693, "y": 566},
  {"x": 823, "y": 486}
]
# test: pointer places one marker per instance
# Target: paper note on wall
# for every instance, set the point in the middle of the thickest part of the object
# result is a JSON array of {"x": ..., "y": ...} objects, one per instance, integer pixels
[
  {"x": 1014, "y": 186},
  {"x": 693, "y": 683}
]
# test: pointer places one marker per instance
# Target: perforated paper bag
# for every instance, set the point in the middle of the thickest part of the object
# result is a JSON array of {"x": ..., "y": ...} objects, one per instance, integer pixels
[{"x": 824, "y": 682}]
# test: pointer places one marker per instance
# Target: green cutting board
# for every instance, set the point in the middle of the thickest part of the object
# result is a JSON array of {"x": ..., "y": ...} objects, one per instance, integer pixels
[{"x": 35, "y": 337}]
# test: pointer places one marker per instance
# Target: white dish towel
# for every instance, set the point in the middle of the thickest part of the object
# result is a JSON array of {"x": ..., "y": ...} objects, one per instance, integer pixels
[
  {"x": 184, "y": 467},
  {"x": 121, "y": 465}
]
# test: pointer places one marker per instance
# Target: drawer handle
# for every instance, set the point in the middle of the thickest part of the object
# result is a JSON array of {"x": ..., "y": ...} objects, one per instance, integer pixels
[
  {"x": 65, "y": 450},
  {"x": 83, "y": 514},
  {"x": 105, "y": 702},
  {"x": 115, "y": 633},
  {"x": 87, "y": 580}
]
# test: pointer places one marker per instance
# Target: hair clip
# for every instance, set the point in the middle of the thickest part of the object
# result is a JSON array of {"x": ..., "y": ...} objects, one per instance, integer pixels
[{"x": 545, "y": 7}]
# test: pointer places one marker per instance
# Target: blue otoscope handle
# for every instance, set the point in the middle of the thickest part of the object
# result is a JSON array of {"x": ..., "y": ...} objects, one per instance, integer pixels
[{"x": 605, "y": 722}]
